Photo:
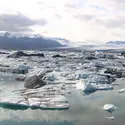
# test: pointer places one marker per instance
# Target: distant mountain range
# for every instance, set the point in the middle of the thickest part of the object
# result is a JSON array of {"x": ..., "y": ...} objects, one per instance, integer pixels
[
  {"x": 39, "y": 42},
  {"x": 10, "y": 41},
  {"x": 115, "y": 43}
]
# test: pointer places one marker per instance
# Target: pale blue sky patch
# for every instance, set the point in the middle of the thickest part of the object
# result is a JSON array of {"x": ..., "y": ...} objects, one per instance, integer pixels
[{"x": 100, "y": 8}]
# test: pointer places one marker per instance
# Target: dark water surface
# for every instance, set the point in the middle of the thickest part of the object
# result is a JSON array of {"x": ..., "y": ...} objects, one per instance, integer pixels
[{"x": 84, "y": 110}]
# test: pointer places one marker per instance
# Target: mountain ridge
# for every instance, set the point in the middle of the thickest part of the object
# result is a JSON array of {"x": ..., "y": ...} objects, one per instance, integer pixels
[
  {"x": 11, "y": 41},
  {"x": 115, "y": 42}
]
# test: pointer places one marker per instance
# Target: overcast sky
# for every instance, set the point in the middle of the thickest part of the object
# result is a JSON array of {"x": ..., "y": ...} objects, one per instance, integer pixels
[{"x": 87, "y": 21}]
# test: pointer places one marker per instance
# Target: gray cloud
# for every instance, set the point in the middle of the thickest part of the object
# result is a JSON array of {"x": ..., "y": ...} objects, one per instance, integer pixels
[
  {"x": 113, "y": 23},
  {"x": 58, "y": 16},
  {"x": 117, "y": 22},
  {"x": 70, "y": 6},
  {"x": 18, "y": 23},
  {"x": 84, "y": 17}
]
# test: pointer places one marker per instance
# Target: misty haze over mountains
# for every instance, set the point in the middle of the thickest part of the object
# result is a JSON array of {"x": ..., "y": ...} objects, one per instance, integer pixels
[
  {"x": 10, "y": 41},
  {"x": 115, "y": 42}
]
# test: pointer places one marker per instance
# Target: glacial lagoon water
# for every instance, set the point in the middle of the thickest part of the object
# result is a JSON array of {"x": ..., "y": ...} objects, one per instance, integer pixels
[{"x": 84, "y": 109}]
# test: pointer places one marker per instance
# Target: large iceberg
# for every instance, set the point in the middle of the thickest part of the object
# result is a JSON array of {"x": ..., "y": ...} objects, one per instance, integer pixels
[{"x": 47, "y": 97}]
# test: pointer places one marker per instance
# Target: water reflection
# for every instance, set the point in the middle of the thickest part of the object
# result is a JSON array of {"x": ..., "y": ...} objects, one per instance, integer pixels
[
  {"x": 89, "y": 92},
  {"x": 8, "y": 122},
  {"x": 13, "y": 106},
  {"x": 25, "y": 107}
]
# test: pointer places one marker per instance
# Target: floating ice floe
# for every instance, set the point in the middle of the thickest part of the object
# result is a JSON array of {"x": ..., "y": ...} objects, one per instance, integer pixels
[
  {"x": 110, "y": 118},
  {"x": 39, "y": 72},
  {"x": 121, "y": 90},
  {"x": 82, "y": 74},
  {"x": 88, "y": 87},
  {"x": 110, "y": 108},
  {"x": 49, "y": 97},
  {"x": 97, "y": 79},
  {"x": 53, "y": 76},
  {"x": 118, "y": 71},
  {"x": 19, "y": 54},
  {"x": 100, "y": 79}
]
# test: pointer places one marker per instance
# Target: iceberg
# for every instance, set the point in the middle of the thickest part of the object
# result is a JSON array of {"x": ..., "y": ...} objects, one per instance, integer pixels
[
  {"x": 88, "y": 87},
  {"x": 47, "y": 97},
  {"x": 121, "y": 90},
  {"x": 110, "y": 108}
]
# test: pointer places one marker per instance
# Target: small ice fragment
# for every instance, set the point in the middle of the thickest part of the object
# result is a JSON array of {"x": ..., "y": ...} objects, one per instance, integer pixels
[
  {"x": 110, "y": 118},
  {"x": 110, "y": 108},
  {"x": 121, "y": 90},
  {"x": 80, "y": 85}
]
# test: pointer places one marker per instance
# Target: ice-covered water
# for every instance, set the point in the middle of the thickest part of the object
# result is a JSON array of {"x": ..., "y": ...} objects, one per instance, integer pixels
[{"x": 84, "y": 109}]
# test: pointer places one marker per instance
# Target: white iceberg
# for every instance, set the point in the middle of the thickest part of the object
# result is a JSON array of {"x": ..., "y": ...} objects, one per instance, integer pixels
[
  {"x": 121, "y": 90},
  {"x": 47, "y": 97},
  {"x": 110, "y": 108},
  {"x": 80, "y": 85},
  {"x": 88, "y": 87}
]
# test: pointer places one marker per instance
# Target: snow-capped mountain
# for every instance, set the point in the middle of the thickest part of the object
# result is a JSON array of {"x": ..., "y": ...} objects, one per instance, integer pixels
[
  {"x": 62, "y": 41},
  {"x": 18, "y": 41}
]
